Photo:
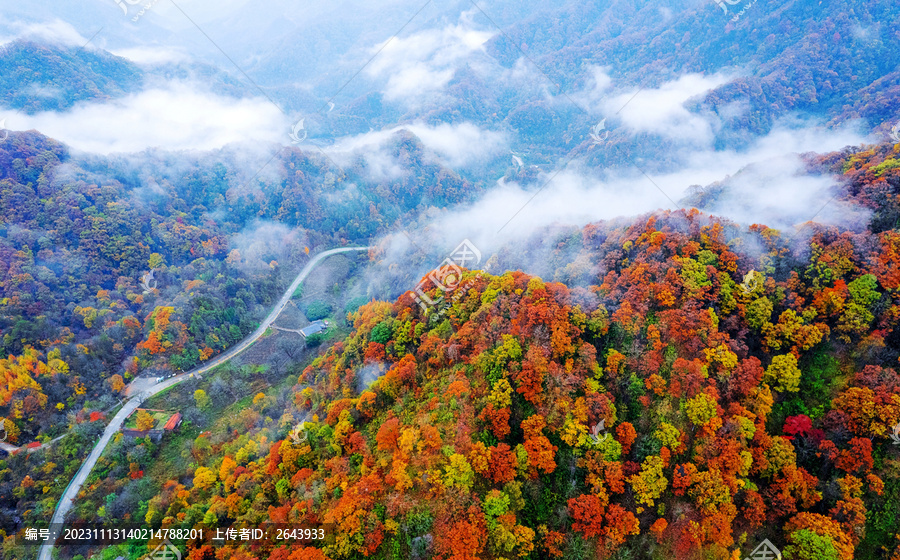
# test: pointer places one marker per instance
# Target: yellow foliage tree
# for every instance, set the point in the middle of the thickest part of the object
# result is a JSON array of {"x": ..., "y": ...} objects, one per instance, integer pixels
[
  {"x": 228, "y": 466},
  {"x": 783, "y": 373},
  {"x": 201, "y": 398},
  {"x": 650, "y": 483},
  {"x": 459, "y": 472},
  {"x": 700, "y": 409},
  {"x": 145, "y": 420},
  {"x": 204, "y": 478},
  {"x": 12, "y": 431},
  {"x": 156, "y": 260},
  {"x": 116, "y": 383}
]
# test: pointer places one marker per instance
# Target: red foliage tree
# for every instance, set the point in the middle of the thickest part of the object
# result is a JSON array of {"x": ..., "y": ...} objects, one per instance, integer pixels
[
  {"x": 587, "y": 515},
  {"x": 388, "y": 434},
  {"x": 541, "y": 452},
  {"x": 502, "y": 464}
]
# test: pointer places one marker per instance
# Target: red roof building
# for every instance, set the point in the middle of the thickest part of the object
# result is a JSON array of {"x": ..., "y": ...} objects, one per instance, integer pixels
[{"x": 173, "y": 422}]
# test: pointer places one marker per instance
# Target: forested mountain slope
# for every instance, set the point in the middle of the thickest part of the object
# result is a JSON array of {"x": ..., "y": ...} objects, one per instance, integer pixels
[
  {"x": 710, "y": 387},
  {"x": 80, "y": 234},
  {"x": 36, "y": 77},
  {"x": 793, "y": 56},
  {"x": 671, "y": 385}
]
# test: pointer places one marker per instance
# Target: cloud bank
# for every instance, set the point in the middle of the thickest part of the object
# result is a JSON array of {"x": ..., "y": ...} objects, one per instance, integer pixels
[
  {"x": 424, "y": 62},
  {"x": 55, "y": 31},
  {"x": 456, "y": 146},
  {"x": 661, "y": 111},
  {"x": 177, "y": 116},
  {"x": 776, "y": 191}
]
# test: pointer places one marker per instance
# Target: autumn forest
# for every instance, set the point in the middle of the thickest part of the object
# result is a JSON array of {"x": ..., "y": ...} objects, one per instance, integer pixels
[{"x": 225, "y": 297}]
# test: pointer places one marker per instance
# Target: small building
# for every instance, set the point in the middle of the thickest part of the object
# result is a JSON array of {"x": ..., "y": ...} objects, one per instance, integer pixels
[
  {"x": 173, "y": 422},
  {"x": 154, "y": 435},
  {"x": 313, "y": 328}
]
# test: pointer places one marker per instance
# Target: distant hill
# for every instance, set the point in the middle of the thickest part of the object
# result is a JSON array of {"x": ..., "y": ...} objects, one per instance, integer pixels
[
  {"x": 36, "y": 77},
  {"x": 835, "y": 60},
  {"x": 831, "y": 61}
]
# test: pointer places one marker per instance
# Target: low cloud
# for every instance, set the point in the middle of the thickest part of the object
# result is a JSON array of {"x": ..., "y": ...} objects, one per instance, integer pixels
[
  {"x": 264, "y": 241},
  {"x": 511, "y": 211},
  {"x": 152, "y": 55},
  {"x": 596, "y": 90},
  {"x": 460, "y": 145},
  {"x": 454, "y": 145},
  {"x": 373, "y": 148},
  {"x": 368, "y": 375},
  {"x": 179, "y": 116},
  {"x": 662, "y": 110},
  {"x": 424, "y": 62},
  {"x": 779, "y": 193},
  {"x": 767, "y": 184},
  {"x": 56, "y": 31}
]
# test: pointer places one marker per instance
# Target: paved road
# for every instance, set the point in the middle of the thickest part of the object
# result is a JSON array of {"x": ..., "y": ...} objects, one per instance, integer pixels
[
  {"x": 65, "y": 502},
  {"x": 10, "y": 448},
  {"x": 139, "y": 384}
]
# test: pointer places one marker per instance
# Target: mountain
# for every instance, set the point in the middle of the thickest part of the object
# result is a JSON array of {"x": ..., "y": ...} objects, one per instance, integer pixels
[
  {"x": 78, "y": 234},
  {"x": 791, "y": 58},
  {"x": 36, "y": 77},
  {"x": 707, "y": 387},
  {"x": 681, "y": 383}
]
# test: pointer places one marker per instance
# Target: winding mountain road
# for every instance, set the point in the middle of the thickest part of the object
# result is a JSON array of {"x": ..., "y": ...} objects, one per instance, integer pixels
[
  {"x": 9, "y": 448},
  {"x": 71, "y": 492}
]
